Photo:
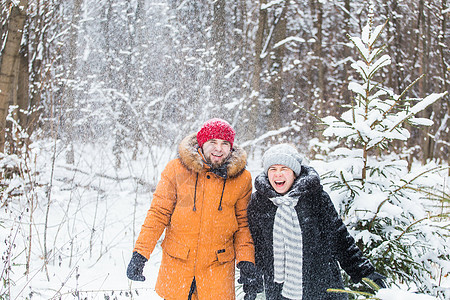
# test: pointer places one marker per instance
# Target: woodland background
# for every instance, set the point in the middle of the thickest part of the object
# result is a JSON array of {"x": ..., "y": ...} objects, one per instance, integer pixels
[{"x": 147, "y": 72}]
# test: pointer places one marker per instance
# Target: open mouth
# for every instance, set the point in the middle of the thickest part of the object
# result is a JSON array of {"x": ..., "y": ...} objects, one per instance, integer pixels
[
  {"x": 217, "y": 155},
  {"x": 279, "y": 183}
]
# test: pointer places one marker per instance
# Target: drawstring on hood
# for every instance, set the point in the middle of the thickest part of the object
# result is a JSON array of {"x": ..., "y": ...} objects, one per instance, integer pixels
[
  {"x": 195, "y": 193},
  {"x": 220, "y": 171},
  {"x": 221, "y": 197}
]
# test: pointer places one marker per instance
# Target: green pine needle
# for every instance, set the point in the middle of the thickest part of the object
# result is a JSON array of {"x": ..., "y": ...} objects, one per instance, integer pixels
[
  {"x": 350, "y": 292},
  {"x": 371, "y": 283}
]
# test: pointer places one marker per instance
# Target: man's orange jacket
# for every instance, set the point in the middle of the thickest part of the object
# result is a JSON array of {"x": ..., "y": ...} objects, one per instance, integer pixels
[{"x": 205, "y": 217}]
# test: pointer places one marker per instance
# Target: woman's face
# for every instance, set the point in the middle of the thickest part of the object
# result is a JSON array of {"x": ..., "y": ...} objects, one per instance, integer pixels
[{"x": 281, "y": 178}]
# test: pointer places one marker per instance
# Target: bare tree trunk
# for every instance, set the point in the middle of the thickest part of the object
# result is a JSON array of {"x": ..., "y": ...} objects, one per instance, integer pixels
[
  {"x": 320, "y": 86},
  {"x": 70, "y": 92},
  {"x": 9, "y": 56},
  {"x": 425, "y": 140},
  {"x": 319, "y": 55},
  {"x": 276, "y": 69},
  {"x": 345, "y": 92},
  {"x": 20, "y": 101},
  {"x": 43, "y": 14},
  {"x": 23, "y": 100},
  {"x": 218, "y": 39},
  {"x": 256, "y": 75},
  {"x": 397, "y": 75},
  {"x": 442, "y": 134}
]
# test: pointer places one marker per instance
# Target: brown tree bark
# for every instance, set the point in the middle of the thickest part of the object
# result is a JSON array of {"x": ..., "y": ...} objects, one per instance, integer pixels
[
  {"x": 218, "y": 40},
  {"x": 425, "y": 140},
  {"x": 319, "y": 54},
  {"x": 320, "y": 98},
  {"x": 37, "y": 77},
  {"x": 9, "y": 56},
  {"x": 275, "y": 91},
  {"x": 19, "y": 100},
  {"x": 347, "y": 19},
  {"x": 256, "y": 75},
  {"x": 70, "y": 93},
  {"x": 442, "y": 135}
]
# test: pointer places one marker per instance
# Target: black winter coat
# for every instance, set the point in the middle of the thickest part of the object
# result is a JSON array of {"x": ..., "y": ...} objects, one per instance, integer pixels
[{"x": 326, "y": 241}]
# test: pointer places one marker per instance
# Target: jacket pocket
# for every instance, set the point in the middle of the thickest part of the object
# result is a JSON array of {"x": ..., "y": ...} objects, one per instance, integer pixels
[
  {"x": 225, "y": 254},
  {"x": 175, "y": 249}
]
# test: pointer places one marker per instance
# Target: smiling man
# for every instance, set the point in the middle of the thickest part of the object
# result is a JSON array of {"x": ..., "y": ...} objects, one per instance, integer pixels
[
  {"x": 216, "y": 151},
  {"x": 201, "y": 201}
]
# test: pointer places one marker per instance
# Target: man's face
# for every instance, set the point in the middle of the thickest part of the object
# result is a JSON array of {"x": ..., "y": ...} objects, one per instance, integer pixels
[{"x": 216, "y": 151}]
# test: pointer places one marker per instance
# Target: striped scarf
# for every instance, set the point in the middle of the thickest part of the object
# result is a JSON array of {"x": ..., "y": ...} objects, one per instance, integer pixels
[{"x": 287, "y": 247}]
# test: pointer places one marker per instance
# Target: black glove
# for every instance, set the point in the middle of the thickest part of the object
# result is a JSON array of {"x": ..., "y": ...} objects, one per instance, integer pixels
[
  {"x": 251, "y": 278},
  {"x": 136, "y": 266},
  {"x": 378, "y": 279}
]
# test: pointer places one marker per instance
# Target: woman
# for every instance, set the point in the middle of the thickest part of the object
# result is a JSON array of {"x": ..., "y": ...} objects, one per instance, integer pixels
[{"x": 299, "y": 237}]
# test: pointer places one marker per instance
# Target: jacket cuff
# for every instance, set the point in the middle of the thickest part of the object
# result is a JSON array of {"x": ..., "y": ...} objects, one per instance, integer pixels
[{"x": 139, "y": 257}]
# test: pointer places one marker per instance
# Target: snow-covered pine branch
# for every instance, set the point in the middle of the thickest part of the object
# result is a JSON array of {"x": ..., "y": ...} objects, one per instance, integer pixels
[{"x": 390, "y": 206}]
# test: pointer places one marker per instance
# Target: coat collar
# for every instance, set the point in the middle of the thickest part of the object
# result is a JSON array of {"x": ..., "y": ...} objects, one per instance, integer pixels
[
  {"x": 308, "y": 181},
  {"x": 193, "y": 160}
]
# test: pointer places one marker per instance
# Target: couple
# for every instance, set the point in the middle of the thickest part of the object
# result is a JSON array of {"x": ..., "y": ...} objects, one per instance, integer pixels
[{"x": 287, "y": 238}]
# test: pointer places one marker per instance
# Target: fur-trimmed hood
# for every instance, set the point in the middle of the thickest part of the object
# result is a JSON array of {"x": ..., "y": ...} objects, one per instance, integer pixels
[{"x": 192, "y": 160}]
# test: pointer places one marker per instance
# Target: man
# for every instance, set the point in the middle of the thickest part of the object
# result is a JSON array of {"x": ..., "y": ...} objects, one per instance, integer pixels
[{"x": 201, "y": 202}]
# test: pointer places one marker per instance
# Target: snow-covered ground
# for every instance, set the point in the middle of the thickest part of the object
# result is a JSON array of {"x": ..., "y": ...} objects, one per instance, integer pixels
[{"x": 87, "y": 224}]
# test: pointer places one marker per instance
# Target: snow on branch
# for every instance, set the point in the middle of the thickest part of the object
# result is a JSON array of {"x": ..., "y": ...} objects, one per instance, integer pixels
[
  {"x": 289, "y": 39},
  {"x": 267, "y": 135},
  {"x": 271, "y": 3}
]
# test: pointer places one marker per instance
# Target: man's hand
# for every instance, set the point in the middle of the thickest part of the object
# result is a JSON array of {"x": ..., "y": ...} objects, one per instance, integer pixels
[{"x": 136, "y": 266}]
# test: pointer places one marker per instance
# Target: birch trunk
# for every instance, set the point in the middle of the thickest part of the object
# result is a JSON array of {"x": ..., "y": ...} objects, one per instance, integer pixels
[
  {"x": 276, "y": 70},
  {"x": 9, "y": 56}
]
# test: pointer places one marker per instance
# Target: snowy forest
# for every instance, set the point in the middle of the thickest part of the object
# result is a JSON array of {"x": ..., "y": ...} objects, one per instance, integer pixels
[{"x": 96, "y": 95}]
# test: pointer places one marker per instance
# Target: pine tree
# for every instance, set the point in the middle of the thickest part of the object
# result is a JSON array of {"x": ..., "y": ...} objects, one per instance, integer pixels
[{"x": 389, "y": 208}]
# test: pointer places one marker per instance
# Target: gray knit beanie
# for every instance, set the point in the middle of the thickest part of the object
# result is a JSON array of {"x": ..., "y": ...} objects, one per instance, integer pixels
[{"x": 283, "y": 154}]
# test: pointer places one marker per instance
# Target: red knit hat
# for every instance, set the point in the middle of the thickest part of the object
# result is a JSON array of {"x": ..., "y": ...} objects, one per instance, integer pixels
[{"x": 215, "y": 129}]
